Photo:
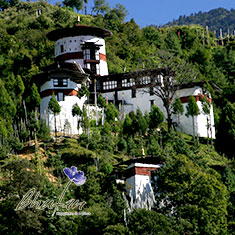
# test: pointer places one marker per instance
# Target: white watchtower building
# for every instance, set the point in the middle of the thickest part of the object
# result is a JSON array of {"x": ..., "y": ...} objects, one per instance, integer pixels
[{"x": 79, "y": 53}]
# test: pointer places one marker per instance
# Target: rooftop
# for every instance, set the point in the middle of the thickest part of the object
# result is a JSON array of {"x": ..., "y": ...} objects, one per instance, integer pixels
[{"x": 78, "y": 30}]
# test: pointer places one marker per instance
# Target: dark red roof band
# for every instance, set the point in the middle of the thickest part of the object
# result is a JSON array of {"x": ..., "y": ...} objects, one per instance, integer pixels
[
  {"x": 67, "y": 92},
  {"x": 76, "y": 55},
  {"x": 136, "y": 170},
  {"x": 185, "y": 99}
]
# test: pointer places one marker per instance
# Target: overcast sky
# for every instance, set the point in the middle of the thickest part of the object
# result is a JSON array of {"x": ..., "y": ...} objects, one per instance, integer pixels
[{"x": 160, "y": 12}]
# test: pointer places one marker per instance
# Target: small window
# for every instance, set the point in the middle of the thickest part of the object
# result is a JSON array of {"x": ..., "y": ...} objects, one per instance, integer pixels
[
  {"x": 133, "y": 93},
  {"x": 61, "y": 48},
  {"x": 60, "y": 96},
  {"x": 151, "y": 91},
  {"x": 55, "y": 82},
  {"x": 87, "y": 54},
  {"x": 151, "y": 103},
  {"x": 58, "y": 82},
  {"x": 65, "y": 82}
]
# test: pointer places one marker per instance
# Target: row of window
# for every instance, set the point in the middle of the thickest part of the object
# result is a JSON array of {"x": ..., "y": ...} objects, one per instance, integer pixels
[
  {"x": 89, "y": 53},
  {"x": 60, "y": 96},
  {"x": 145, "y": 80},
  {"x": 58, "y": 43},
  {"x": 128, "y": 82},
  {"x": 60, "y": 82},
  {"x": 109, "y": 85},
  {"x": 131, "y": 81}
]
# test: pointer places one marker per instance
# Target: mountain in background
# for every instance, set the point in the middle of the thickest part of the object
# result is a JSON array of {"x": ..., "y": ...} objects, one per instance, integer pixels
[{"x": 214, "y": 19}]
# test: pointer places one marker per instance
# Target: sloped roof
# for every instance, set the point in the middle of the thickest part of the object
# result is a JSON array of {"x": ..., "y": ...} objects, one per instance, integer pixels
[{"x": 78, "y": 30}]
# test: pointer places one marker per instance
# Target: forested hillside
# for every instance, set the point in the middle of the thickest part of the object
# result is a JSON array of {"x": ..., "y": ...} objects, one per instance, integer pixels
[
  {"x": 198, "y": 179},
  {"x": 214, "y": 19}
]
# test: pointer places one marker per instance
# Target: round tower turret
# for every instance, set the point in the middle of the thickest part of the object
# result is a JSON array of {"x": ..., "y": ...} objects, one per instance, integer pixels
[{"x": 83, "y": 44}]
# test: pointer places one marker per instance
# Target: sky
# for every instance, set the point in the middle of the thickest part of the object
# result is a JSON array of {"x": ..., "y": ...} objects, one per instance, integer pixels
[{"x": 160, "y": 12}]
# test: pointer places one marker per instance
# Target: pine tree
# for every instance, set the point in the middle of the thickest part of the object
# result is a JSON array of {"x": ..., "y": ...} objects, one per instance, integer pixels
[
  {"x": 35, "y": 98},
  {"x": 192, "y": 110},
  {"x": 85, "y": 120},
  {"x": 156, "y": 117},
  {"x": 54, "y": 107},
  {"x": 178, "y": 109},
  {"x": 76, "y": 111}
]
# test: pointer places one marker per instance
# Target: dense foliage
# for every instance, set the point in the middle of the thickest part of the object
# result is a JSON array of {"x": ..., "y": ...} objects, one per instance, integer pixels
[
  {"x": 215, "y": 19},
  {"x": 196, "y": 183}
]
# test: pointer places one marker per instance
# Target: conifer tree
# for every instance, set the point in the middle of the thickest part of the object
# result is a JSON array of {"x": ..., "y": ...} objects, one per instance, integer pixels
[
  {"x": 111, "y": 113},
  {"x": 54, "y": 107},
  {"x": 85, "y": 120},
  {"x": 178, "y": 109},
  {"x": 156, "y": 117},
  {"x": 127, "y": 126},
  {"x": 76, "y": 111},
  {"x": 192, "y": 110}
]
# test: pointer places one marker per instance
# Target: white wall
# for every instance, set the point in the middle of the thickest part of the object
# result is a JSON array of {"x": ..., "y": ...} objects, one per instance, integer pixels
[
  {"x": 139, "y": 188},
  {"x": 74, "y": 44},
  {"x": 65, "y": 115},
  {"x": 49, "y": 85},
  {"x": 143, "y": 99},
  {"x": 200, "y": 120}
]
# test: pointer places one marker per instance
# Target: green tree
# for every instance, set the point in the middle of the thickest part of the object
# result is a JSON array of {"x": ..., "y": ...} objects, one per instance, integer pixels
[
  {"x": 101, "y": 101},
  {"x": 4, "y": 4},
  {"x": 141, "y": 122},
  {"x": 194, "y": 194},
  {"x": 77, "y": 4},
  {"x": 85, "y": 120},
  {"x": 176, "y": 72},
  {"x": 142, "y": 221},
  {"x": 192, "y": 110},
  {"x": 156, "y": 117},
  {"x": 120, "y": 11},
  {"x": 54, "y": 107},
  {"x": 19, "y": 86},
  {"x": 111, "y": 113},
  {"x": 178, "y": 109},
  {"x": 226, "y": 130},
  {"x": 127, "y": 126},
  {"x": 100, "y": 6},
  {"x": 142, "y": 125},
  {"x": 83, "y": 91},
  {"x": 76, "y": 111},
  {"x": 44, "y": 131},
  {"x": 34, "y": 98}
]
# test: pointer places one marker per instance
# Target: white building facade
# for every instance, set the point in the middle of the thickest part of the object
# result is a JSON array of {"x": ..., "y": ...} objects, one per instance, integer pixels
[
  {"x": 139, "y": 181},
  {"x": 82, "y": 49},
  {"x": 77, "y": 50},
  {"x": 143, "y": 98}
]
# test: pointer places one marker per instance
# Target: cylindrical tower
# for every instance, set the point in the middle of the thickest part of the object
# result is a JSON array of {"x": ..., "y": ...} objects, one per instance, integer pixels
[
  {"x": 83, "y": 44},
  {"x": 64, "y": 81},
  {"x": 77, "y": 49}
]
